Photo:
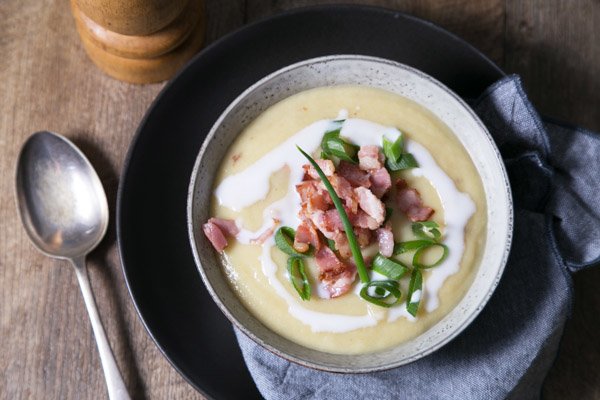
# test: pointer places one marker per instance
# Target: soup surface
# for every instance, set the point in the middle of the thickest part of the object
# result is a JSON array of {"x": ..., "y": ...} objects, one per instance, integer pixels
[{"x": 255, "y": 187}]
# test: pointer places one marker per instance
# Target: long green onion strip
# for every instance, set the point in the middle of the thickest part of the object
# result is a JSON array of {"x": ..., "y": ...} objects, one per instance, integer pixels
[
  {"x": 392, "y": 269},
  {"x": 415, "y": 284},
  {"x": 298, "y": 278},
  {"x": 284, "y": 240},
  {"x": 383, "y": 293},
  {"x": 417, "y": 257},
  {"x": 427, "y": 230},
  {"x": 354, "y": 247}
]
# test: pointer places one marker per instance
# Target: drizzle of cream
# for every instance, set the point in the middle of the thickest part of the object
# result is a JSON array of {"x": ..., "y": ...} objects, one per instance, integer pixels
[{"x": 254, "y": 183}]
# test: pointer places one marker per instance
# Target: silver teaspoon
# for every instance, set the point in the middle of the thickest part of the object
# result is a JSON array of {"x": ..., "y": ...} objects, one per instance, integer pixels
[{"x": 64, "y": 210}]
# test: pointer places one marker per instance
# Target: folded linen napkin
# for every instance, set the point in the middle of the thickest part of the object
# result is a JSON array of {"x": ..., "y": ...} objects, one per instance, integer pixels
[{"x": 506, "y": 352}]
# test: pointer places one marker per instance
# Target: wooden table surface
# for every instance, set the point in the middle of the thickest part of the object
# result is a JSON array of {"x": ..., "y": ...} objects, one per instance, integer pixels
[{"x": 47, "y": 349}]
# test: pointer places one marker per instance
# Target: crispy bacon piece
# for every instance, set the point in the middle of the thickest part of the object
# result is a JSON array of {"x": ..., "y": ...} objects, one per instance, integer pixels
[
  {"x": 325, "y": 165},
  {"x": 266, "y": 234},
  {"x": 370, "y": 204},
  {"x": 410, "y": 203},
  {"x": 306, "y": 234},
  {"x": 227, "y": 226},
  {"x": 380, "y": 181},
  {"x": 341, "y": 244},
  {"x": 364, "y": 236},
  {"x": 353, "y": 174},
  {"x": 362, "y": 220},
  {"x": 385, "y": 237},
  {"x": 344, "y": 191},
  {"x": 215, "y": 236},
  {"x": 370, "y": 158},
  {"x": 336, "y": 276},
  {"x": 320, "y": 222},
  {"x": 341, "y": 283},
  {"x": 333, "y": 221}
]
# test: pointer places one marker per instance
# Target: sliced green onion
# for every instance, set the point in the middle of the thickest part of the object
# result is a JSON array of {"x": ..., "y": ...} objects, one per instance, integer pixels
[
  {"x": 298, "y": 278},
  {"x": 416, "y": 284},
  {"x": 427, "y": 230},
  {"x": 331, "y": 245},
  {"x": 334, "y": 146},
  {"x": 393, "y": 151},
  {"x": 392, "y": 269},
  {"x": 406, "y": 161},
  {"x": 404, "y": 247},
  {"x": 340, "y": 148},
  {"x": 354, "y": 247},
  {"x": 417, "y": 257},
  {"x": 385, "y": 293},
  {"x": 388, "y": 214},
  {"x": 284, "y": 239}
]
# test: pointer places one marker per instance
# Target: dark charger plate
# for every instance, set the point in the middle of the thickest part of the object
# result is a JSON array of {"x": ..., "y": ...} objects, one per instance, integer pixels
[{"x": 151, "y": 211}]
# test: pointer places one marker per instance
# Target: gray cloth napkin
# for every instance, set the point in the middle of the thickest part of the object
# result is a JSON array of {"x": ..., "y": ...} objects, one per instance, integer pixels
[{"x": 506, "y": 352}]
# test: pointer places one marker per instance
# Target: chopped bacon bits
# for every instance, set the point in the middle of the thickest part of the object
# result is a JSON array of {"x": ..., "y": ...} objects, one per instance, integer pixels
[
  {"x": 385, "y": 237},
  {"x": 370, "y": 158},
  {"x": 306, "y": 234},
  {"x": 337, "y": 277},
  {"x": 370, "y": 204},
  {"x": 353, "y": 174},
  {"x": 380, "y": 181},
  {"x": 266, "y": 234},
  {"x": 228, "y": 226},
  {"x": 215, "y": 236},
  {"x": 409, "y": 202}
]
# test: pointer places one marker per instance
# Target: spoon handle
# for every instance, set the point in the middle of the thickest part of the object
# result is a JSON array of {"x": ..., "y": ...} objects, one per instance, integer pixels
[{"x": 114, "y": 381}]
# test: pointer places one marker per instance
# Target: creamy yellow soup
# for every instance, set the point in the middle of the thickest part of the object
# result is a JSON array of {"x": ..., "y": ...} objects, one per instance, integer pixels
[{"x": 260, "y": 291}]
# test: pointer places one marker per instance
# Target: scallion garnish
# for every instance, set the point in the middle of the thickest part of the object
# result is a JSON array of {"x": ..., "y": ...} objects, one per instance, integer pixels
[
  {"x": 392, "y": 269},
  {"x": 388, "y": 214},
  {"x": 383, "y": 293},
  {"x": 395, "y": 157},
  {"x": 284, "y": 239},
  {"x": 331, "y": 245},
  {"x": 406, "y": 161},
  {"x": 354, "y": 247},
  {"x": 427, "y": 230},
  {"x": 415, "y": 290},
  {"x": 334, "y": 146},
  {"x": 417, "y": 257},
  {"x": 393, "y": 150},
  {"x": 411, "y": 245},
  {"x": 298, "y": 278}
]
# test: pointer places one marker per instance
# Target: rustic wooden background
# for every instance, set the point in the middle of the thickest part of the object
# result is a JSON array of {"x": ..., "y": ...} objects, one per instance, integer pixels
[{"x": 47, "y": 349}]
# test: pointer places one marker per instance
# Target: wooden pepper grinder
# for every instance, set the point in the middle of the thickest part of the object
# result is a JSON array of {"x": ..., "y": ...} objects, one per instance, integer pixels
[{"x": 140, "y": 41}]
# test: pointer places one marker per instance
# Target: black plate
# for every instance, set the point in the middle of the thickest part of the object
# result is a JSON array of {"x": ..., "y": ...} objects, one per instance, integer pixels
[{"x": 151, "y": 213}]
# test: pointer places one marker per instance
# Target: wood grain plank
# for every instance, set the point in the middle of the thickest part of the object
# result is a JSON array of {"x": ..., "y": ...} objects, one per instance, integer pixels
[
  {"x": 555, "y": 47},
  {"x": 481, "y": 23},
  {"x": 47, "y": 347}
]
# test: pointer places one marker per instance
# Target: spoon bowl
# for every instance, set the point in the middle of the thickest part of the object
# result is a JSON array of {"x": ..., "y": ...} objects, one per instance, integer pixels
[
  {"x": 60, "y": 197},
  {"x": 64, "y": 211}
]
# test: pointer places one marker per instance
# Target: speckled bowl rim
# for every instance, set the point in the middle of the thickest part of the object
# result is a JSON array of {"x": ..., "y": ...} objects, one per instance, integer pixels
[{"x": 194, "y": 231}]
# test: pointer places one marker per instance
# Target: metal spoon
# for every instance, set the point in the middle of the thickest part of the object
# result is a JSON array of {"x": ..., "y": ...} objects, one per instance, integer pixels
[{"x": 64, "y": 210}]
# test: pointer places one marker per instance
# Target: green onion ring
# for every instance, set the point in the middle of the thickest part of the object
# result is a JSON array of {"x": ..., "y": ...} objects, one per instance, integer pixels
[
  {"x": 383, "y": 291},
  {"x": 416, "y": 258},
  {"x": 404, "y": 247},
  {"x": 392, "y": 269},
  {"x": 416, "y": 283}
]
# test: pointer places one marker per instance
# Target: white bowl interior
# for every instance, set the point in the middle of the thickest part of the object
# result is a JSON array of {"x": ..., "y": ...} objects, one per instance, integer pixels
[{"x": 404, "y": 81}]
